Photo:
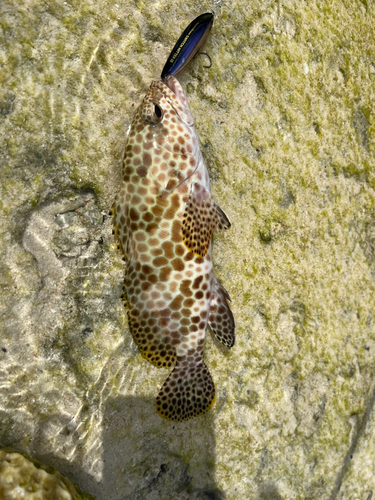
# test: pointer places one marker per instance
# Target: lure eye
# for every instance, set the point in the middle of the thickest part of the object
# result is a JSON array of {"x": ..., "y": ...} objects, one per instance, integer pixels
[{"x": 158, "y": 111}]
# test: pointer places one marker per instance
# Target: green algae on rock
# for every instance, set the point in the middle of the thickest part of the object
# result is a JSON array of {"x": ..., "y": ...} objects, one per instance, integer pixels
[{"x": 285, "y": 118}]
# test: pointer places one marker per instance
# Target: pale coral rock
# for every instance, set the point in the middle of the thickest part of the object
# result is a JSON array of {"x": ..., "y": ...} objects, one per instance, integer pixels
[{"x": 20, "y": 479}]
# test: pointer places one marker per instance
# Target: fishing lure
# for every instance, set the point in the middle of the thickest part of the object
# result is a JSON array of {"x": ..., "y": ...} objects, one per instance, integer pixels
[
  {"x": 188, "y": 44},
  {"x": 164, "y": 216}
]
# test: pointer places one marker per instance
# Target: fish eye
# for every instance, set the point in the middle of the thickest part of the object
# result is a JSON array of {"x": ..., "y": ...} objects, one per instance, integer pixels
[{"x": 158, "y": 111}]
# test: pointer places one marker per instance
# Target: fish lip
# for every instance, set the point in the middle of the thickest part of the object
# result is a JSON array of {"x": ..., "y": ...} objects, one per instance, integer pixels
[
  {"x": 173, "y": 85},
  {"x": 169, "y": 82}
]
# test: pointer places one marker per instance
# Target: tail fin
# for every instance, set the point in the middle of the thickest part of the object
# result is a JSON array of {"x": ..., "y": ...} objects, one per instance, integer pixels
[{"x": 188, "y": 391}]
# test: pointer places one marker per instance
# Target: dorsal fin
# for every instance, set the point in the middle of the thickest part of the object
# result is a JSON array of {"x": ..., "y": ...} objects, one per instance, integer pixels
[
  {"x": 221, "y": 319},
  {"x": 147, "y": 323}
]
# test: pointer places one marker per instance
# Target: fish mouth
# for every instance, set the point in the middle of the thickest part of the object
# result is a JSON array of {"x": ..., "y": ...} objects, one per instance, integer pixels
[
  {"x": 170, "y": 82},
  {"x": 174, "y": 86}
]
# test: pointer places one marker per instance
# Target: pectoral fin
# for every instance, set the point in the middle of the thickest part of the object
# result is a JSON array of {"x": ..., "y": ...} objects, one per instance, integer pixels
[{"x": 199, "y": 220}]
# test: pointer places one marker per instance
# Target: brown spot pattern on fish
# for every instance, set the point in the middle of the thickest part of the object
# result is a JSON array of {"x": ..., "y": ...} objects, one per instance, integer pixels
[{"x": 164, "y": 219}]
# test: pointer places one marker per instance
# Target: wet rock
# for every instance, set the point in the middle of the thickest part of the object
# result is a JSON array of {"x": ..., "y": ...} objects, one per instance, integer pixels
[
  {"x": 21, "y": 479},
  {"x": 284, "y": 117}
]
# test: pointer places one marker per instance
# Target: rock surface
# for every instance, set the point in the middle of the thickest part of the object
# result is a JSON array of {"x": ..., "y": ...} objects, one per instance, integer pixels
[
  {"x": 286, "y": 122},
  {"x": 20, "y": 479}
]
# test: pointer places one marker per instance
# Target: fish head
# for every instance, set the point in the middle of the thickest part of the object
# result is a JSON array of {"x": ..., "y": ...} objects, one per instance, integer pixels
[{"x": 164, "y": 117}]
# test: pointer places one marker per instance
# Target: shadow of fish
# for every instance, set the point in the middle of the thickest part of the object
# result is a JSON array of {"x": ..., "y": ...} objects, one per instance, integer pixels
[{"x": 164, "y": 219}]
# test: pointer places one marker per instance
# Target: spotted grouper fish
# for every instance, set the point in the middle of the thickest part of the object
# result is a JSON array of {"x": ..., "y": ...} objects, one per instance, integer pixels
[{"x": 164, "y": 219}]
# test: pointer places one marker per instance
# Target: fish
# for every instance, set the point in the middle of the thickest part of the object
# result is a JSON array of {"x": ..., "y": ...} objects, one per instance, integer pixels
[{"x": 164, "y": 217}]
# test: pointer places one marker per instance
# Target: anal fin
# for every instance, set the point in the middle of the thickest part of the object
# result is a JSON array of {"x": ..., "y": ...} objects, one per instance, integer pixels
[
  {"x": 220, "y": 318},
  {"x": 188, "y": 391}
]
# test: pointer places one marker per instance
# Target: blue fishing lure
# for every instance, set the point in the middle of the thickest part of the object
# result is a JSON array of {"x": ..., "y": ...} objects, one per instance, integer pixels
[{"x": 188, "y": 44}]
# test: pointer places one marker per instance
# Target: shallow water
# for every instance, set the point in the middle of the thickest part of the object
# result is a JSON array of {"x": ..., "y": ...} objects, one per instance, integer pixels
[{"x": 285, "y": 123}]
